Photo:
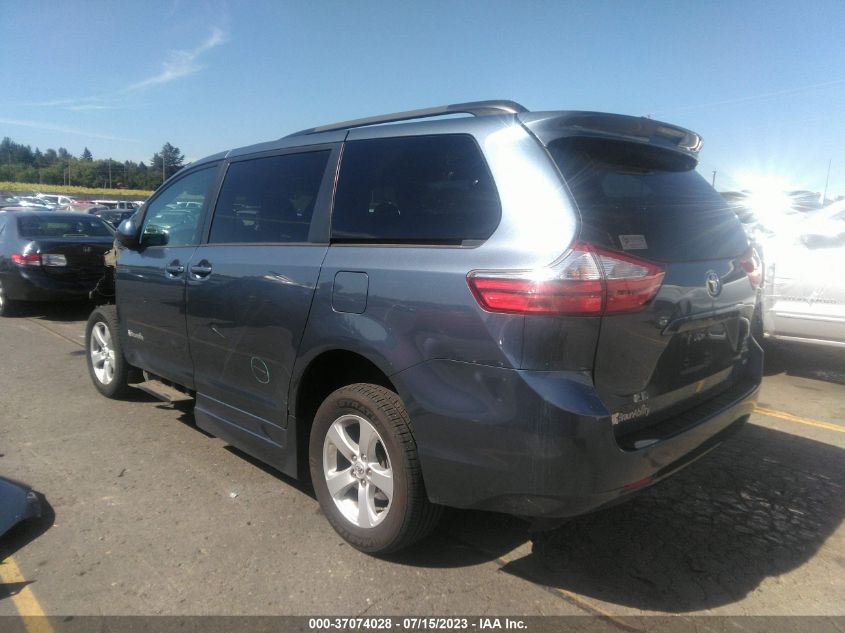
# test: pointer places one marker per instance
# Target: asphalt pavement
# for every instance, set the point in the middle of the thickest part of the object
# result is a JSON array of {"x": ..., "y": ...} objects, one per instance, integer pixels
[{"x": 146, "y": 514}]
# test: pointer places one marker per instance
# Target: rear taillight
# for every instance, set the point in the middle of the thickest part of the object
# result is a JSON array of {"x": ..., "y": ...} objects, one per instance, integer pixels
[
  {"x": 753, "y": 267},
  {"x": 32, "y": 259},
  {"x": 587, "y": 281}
]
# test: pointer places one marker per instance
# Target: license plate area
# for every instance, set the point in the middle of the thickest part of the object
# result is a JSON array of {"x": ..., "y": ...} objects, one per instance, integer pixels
[{"x": 696, "y": 348}]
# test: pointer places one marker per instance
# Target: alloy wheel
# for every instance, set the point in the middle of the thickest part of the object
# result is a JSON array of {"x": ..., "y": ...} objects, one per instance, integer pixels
[
  {"x": 357, "y": 471},
  {"x": 102, "y": 353}
]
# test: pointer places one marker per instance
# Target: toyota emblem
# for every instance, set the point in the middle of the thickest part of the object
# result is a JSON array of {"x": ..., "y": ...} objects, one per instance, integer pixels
[{"x": 713, "y": 283}]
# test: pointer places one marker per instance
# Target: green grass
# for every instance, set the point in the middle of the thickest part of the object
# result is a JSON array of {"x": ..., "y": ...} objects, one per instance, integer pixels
[{"x": 73, "y": 191}]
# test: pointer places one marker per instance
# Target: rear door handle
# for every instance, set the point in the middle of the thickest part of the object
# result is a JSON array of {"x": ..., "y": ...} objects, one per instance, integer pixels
[
  {"x": 201, "y": 270},
  {"x": 174, "y": 269}
]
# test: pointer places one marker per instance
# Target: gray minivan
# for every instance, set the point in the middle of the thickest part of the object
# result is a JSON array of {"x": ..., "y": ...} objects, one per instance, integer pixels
[{"x": 537, "y": 313}]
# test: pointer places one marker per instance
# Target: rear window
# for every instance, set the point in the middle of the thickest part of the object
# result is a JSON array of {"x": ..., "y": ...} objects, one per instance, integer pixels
[
  {"x": 49, "y": 226},
  {"x": 419, "y": 189},
  {"x": 646, "y": 200}
]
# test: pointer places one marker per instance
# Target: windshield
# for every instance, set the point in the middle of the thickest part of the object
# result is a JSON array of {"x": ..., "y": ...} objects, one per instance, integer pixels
[
  {"x": 35, "y": 226},
  {"x": 646, "y": 199}
]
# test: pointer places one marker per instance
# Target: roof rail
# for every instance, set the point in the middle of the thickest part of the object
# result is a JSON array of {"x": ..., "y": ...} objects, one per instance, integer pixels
[{"x": 476, "y": 108}]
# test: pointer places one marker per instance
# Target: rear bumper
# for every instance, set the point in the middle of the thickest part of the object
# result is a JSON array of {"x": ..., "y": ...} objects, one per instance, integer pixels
[
  {"x": 36, "y": 285},
  {"x": 542, "y": 444}
]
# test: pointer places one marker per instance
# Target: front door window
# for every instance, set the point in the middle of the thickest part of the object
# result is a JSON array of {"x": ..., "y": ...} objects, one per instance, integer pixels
[{"x": 173, "y": 217}]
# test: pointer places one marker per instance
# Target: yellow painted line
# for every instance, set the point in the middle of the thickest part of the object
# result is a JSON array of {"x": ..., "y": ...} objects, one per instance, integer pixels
[
  {"x": 796, "y": 418},
  {"x": 24, "y": 600}
]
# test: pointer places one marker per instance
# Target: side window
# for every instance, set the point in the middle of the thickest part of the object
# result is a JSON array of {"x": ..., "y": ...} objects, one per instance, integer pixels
[
  {"x": 268, "y": 199},
  {"x": 174, "y": 217},
  {"x": 417, "y": 189}
]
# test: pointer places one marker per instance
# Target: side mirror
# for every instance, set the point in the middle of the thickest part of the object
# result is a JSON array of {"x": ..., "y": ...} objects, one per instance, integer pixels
[{"x": 127, "y": 233}]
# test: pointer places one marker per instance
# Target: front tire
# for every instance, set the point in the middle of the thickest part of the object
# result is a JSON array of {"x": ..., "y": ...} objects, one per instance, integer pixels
[
  {"x": 365, "y": 470},
  {"x": 107, "y": 367}
]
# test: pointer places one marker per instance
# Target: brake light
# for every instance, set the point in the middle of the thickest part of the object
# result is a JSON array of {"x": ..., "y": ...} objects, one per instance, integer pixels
[
  {"x": 753, "y": 267},
  {"x": 32, "y": 259},
  {"x": 587, "y": 281}
]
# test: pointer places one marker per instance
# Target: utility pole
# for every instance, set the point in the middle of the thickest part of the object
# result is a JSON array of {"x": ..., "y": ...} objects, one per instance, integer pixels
[
  {"x": 826, "y": 180},
  {"x": 109, "y": 172},
  {"x": 713, "y": 184},
  {"x": 163, "y": 176}
]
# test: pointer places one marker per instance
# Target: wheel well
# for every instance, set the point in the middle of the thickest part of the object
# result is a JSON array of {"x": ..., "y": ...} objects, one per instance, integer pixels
[
  {"x": 104, "y": 292},
  {"x": 326, "y": 373}
]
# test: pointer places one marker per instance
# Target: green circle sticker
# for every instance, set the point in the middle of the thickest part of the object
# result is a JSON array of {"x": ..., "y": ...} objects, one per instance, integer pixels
[{"x": 260, "y": 370}]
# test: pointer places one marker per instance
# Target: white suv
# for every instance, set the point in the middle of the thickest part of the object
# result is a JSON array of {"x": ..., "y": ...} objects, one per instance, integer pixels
[{"x": 60, "y": 202}]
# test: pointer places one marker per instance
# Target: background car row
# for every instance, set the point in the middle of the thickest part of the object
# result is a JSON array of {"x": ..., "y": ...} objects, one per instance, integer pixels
[{"x": 66, "y": 203}]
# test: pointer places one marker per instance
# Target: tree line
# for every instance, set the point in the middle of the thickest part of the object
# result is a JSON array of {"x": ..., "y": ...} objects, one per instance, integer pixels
[{"x": 20, "y": 163}]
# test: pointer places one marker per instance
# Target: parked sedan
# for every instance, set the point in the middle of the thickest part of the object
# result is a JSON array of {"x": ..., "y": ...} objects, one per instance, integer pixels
[
  {"x": 37, "y": 203},
  {"x": 59, "y": 202},
  {"x": 49, "y": 256},
  {"x": 804, "y": 296},
  {"x": 113, "y": 216},
  {"x": 121, "y": 205},
  {"x": 825, "y": 226}
]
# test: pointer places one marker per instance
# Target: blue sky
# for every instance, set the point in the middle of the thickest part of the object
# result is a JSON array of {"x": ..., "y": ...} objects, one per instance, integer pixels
[{"x": 763, "y": 82}]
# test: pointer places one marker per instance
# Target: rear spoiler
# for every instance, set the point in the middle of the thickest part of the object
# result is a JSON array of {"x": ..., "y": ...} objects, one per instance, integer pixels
[{"x": 548, "y": 126}]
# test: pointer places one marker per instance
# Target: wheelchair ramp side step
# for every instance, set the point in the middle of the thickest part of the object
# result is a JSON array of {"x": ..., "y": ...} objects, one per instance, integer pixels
[{"x": 164, "y": 392}]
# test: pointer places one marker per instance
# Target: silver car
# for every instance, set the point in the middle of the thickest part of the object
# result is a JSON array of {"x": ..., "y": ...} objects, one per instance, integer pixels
[{"x": 804, "y": 291}]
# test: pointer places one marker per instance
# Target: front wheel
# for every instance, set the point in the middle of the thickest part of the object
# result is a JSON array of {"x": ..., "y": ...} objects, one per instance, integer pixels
[
  {"x": 366, "y": 472},
  {"x": 108, "y": 368}
]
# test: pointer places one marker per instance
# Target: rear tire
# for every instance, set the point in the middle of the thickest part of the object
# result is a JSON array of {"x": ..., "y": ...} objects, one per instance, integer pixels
[
  {"x": 107, "y": 367},
  {"x": 7, "y": 306},
  {"x": 377, "y": 502}
]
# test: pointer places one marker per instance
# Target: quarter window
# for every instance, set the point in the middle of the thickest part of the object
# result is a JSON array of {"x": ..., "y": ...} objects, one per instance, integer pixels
[
  {"x": 269, "y": 200},
  {"x": 418, "y": 189}
]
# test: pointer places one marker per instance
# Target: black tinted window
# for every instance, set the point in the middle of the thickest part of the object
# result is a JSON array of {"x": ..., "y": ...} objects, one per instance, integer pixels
[
  {"x": 647, "y": 200},
  {"x": 33, "y": 226},
  {"x": 423, "y": 189},
  {"x": 269, "y": 199}
]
